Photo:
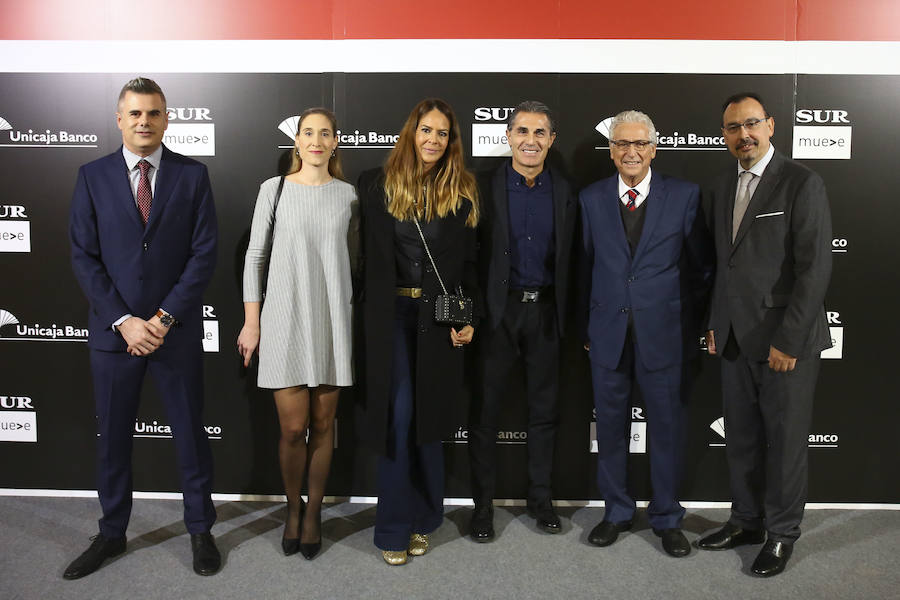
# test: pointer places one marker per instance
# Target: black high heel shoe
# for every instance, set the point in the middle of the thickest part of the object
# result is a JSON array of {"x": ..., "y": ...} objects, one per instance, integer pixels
[
  {"x": 292, "y": 545},
  {"x": 309, "y": 551}
]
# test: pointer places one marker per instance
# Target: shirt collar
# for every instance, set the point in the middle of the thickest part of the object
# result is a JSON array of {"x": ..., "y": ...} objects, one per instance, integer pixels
[
  {"x": 513, "y": 177},
  {"x": 132, "y": 159},
  {"x": 760, "y": 165},
  {"x": 643, "y": 188}
]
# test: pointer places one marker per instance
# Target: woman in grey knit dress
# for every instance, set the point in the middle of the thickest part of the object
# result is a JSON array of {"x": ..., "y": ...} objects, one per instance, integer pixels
[{"x": 302, "y": 331}]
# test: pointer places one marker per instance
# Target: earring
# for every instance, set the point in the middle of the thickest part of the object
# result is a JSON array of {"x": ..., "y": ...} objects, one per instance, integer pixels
[
  {"x": 332, "y": 154},
  {"x": 297, "y": 151}
]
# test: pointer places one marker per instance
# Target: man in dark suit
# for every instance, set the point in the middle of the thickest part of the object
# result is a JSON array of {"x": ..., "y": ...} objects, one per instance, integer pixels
[
  {"x": 143, "y": 232},
  {"x": 526, "y": 233},
  {"x": 649, "y": 259},
  {"x": 773, "y": 242}
]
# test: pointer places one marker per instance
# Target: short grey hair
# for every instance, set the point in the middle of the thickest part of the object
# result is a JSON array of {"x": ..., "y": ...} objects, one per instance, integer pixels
[
  {"x": 532, "y": 106},
  {"x": 633, "y": 116},
  {"x": 141, "y": 85}
]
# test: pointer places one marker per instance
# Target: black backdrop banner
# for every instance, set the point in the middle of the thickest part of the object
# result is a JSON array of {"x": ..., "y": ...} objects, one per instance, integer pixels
[{"x": 241, "y": 126}]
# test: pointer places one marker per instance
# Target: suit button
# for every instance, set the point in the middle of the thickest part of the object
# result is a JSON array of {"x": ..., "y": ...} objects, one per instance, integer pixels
[
  {"x": 146, "y": 245},
  {"x": 625, "y": 310},
  {"x": 730, "y": 264},
  {"x": 506, "y": 252},
  {"x": 422, "y": 330},
  {"x": 503, "y": 282}
]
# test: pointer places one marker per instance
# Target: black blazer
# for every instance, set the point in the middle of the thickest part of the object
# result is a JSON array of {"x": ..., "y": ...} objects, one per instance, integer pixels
[
  {"x": 439, "y": 366},
  {"x": 495, "y": 247},
  {"x": 770, "y": 283}
]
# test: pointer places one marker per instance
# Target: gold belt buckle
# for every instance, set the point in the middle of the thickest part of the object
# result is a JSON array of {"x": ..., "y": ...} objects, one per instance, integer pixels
[{"x": 409, "y": 292}]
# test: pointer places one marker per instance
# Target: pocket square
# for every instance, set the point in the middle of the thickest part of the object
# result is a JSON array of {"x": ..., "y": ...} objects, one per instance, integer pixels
[{"x": 771, "y": 214}]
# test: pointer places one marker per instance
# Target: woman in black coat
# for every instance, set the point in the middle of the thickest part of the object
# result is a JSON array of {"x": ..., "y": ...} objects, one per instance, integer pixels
[{"x": 412, "y": 368}]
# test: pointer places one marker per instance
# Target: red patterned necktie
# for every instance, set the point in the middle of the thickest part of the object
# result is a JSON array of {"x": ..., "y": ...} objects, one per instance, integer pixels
[
  {"x": 144, "y": 196},
  {"x": 632, "y": 195}
]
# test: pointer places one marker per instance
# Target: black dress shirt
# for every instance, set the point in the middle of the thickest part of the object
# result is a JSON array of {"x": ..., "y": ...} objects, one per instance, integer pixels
[
  {"x": 532, "y": 243},
  {"x": 409, "y": 252}
]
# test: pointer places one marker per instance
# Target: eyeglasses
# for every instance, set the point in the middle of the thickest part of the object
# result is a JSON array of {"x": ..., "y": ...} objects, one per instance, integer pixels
[
  {"x": 639, "y": 145},
  {"x": 749, "y": 125}
]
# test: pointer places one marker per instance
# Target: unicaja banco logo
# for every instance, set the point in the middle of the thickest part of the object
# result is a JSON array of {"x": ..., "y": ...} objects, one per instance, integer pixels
[
  {"x": 670, "y": 141},
  {"x": 37, "y": 332},
  {"x": 7, "y": 318},
  {"x": 357, "y": 139},
  {"x": 815, "y": 440},
  {"x": 46, "y": 138}
]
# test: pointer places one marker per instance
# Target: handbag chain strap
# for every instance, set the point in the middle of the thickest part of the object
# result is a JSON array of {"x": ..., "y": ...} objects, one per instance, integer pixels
[{"x": 428, "y": 252}]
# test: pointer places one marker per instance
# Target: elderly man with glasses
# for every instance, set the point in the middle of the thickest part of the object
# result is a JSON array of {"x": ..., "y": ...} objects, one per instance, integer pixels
[{"x": 647, "y": 269}]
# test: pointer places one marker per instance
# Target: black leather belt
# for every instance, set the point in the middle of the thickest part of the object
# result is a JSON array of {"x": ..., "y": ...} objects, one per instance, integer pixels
[{"x": 534, "y": 295}]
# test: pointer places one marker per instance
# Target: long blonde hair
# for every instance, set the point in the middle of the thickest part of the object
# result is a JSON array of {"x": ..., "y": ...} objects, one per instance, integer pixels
[
  {"x": 334, "y": 163},
  {"x": 444, "y": 185}
]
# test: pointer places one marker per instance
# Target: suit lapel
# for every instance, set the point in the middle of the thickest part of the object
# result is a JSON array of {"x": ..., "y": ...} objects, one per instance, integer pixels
[
  {"x": 169, "y": 172},
  {"x": 655, "y": 205},
  {"x": 560, "y": 199},
  {"x": 500, "y": 205},
  {"x": 767, "y": 183},
  {"x": 612, "y": 215}
]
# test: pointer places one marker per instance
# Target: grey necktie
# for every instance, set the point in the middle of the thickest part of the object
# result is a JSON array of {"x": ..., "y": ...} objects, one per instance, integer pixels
[{"x": 741, "y": 202}]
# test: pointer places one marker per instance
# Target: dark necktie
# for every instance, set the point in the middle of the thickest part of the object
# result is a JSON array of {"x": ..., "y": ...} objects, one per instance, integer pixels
[
  {"x": 144, "y": 196},
  {"x": 632, "y": 196}
]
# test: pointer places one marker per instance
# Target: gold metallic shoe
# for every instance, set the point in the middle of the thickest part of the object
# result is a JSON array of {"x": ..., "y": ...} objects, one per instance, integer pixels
[
  {"x": 394, "y": 557},
  {"x": 418, "y": 544}
]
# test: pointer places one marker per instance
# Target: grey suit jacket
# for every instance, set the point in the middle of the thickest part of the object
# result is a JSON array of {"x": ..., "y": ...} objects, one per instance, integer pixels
[{"x": 770, "y": 283}]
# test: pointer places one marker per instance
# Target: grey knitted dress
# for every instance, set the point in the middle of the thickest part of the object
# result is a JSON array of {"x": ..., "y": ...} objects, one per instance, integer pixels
[{"x": 305, "y": 325}]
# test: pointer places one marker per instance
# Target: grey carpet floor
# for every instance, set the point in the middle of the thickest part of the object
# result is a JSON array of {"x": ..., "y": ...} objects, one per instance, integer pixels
[{"x": 843, "y": 554}]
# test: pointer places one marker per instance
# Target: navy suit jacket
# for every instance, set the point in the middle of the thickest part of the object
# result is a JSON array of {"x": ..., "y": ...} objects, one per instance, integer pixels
[
  {"x": 126, "y": 268},
  {"x": 663, "y": 286}
]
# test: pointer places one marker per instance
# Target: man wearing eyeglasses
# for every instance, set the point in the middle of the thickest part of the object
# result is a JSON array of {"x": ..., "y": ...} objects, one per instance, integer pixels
[
  {"x": 648, "y": 260},
  {"x": 772, "y": 229}
]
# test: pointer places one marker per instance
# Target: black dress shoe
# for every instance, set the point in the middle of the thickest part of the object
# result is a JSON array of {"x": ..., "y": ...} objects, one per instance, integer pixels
[
  {"x": 207, "y": 559},
  {"x": 482, "y": 528},
  {"x": 674, "y": 542},
  {"x": 731, "y": 536},
  {"x": 607, "y": 532},
  {"x": 292, "y": 545},
  {"x": 309, "y": 551},
  {"x": 546, "y": 517},
  {"x": 772, "y": 558},
  {"x": 90, "y": 560}
]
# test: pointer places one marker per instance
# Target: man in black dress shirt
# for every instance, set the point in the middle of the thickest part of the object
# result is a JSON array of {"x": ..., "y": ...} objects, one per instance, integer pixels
[{"x": 525, "y": 233}]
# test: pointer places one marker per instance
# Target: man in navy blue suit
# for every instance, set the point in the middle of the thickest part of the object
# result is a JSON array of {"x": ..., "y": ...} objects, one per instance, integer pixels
[
  {"x": 648, "y": 259},
  {"x": 143, "y": 232}
]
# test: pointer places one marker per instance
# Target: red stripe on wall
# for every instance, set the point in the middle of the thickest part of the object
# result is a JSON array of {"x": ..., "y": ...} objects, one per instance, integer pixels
[{"x": 864, "y": 20}]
